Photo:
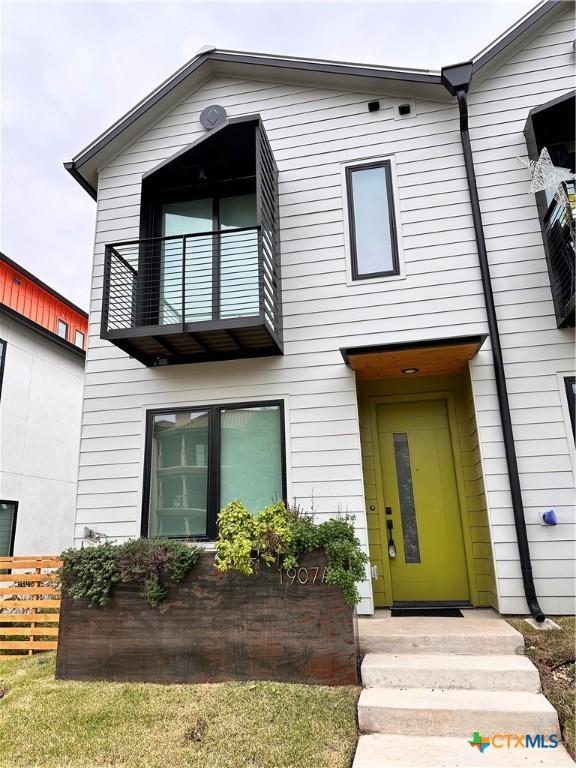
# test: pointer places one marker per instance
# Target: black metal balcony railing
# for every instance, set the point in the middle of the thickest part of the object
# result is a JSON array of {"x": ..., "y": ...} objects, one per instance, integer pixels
[
  {"x": 558, "y": 231},
  {"x": 205, "y": 296}
]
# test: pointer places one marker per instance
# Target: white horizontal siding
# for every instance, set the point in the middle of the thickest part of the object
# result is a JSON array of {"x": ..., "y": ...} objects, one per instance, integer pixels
[
  {"x": 313, "y": 132},
  {"x": 534, "y": 349}
]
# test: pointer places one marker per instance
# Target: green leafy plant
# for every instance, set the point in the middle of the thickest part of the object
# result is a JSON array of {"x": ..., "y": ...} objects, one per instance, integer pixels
[
  {"x": 281, "y": 535},
  {"x": 91, "y": 572}
]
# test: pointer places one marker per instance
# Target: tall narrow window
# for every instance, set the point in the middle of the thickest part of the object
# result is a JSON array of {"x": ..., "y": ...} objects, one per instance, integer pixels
[
  {"x": 570, "y": 383},
  {"x": 373, "y": 243},
  {"x": 62, "y": 329},
  {"x": 8, "y": 511},
  {"x": 79, "y": 339},
  {"x": 200, "y": 459}
]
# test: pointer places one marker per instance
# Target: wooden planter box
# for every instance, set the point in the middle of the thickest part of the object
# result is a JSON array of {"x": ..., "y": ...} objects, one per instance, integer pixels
[{"x": 213, "y": 627}]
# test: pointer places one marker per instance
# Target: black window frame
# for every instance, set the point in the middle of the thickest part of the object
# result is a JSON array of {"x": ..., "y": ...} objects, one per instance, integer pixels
[
  {"x": 14, "y": 523},
  {"x": 58, "y": 321},
  {"x": 151, "y": 227},
  {"x": 569, "y": 382},
  {"x": 213, "y": 490},
  {"x": 350, "y": 170}
]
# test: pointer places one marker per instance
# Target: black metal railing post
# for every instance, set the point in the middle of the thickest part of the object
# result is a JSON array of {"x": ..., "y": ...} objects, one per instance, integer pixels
[
  {"x": 183, "y": 280},
  {"x": 106, "y": 290},
  {"x": 216, "y": 245}
]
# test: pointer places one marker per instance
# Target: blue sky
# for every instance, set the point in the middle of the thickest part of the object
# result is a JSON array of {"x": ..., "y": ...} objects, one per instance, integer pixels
[{"x": 69, "y": 69}]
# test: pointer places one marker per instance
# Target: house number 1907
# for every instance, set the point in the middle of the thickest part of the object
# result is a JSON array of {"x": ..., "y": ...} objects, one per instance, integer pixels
[{"x": 303, "y": 575}]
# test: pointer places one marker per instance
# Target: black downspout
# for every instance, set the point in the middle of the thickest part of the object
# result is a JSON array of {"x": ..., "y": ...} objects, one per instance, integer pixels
[{"x": 457, "y": 79}]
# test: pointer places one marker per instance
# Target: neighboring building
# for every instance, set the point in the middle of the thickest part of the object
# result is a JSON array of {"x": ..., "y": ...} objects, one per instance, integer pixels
[
  {"x": 42, "y": 342},
  {"x": 288, "y": 301}
]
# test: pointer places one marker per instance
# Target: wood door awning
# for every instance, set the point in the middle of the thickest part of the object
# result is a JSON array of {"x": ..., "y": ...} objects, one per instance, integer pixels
[{"x": 429, "y": 358}]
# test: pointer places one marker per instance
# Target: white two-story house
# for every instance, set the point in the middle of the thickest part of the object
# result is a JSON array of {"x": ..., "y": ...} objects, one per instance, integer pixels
[{"x": 330, "y": 283}]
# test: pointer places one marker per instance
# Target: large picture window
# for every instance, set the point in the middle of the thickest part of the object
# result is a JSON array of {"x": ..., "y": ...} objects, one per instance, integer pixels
[
  {"x": 199, "y": 459},
  {"x": 373, "y": 245},
  {"x": 8, "y": 510}
]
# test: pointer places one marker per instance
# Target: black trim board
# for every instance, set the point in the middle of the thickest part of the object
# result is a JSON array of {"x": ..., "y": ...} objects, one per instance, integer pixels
[
  {"x": 14, "y": 265},
  {"x": 453, "y": 341},
  {"x": 13, "y": 315},
  {"x": 213, "y": 488}
]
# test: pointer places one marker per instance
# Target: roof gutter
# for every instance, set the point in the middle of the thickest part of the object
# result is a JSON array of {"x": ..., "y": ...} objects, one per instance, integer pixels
[{"x": 456, "y": 79}]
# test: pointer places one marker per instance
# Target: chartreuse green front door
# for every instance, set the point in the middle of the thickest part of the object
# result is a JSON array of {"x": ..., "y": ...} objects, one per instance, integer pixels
[{"x": 421, "y": 499}]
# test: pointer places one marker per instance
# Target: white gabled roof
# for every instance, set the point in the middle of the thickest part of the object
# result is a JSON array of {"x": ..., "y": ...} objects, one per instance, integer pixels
[{"x": 210, "y": 61}]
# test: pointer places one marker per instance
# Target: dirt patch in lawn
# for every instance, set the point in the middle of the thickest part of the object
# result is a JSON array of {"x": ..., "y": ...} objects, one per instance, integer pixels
[
  {"x": 553, "y": 653},
  {"x": 47, "y": 723}
]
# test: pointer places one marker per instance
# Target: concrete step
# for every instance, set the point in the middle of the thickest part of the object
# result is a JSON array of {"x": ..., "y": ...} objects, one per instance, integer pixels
[
  {"x": 426, "y": 712},
  {"x": 487, "y": 673},
  {"x": 384, "y": 751},
  {"x": 479, "y": 632}
]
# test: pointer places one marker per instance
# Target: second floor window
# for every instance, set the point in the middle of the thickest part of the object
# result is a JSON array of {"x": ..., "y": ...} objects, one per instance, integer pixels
[
  {"x": 62, "y": 329},
  {"x": 79, "y": 339},
  {"x": 372, "y": 225},
  {"x": 203, "y": 274}
]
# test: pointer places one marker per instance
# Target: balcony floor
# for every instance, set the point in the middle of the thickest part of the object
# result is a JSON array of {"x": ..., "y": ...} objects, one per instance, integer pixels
[{"x": 197, "y": 342}]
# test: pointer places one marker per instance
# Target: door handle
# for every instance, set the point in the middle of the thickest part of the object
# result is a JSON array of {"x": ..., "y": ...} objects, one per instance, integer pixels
[{"x": 390, "y": 528}]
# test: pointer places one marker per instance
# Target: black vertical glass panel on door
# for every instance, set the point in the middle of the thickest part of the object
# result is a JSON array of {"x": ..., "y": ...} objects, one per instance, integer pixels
[{"x": 406, "y": 497}]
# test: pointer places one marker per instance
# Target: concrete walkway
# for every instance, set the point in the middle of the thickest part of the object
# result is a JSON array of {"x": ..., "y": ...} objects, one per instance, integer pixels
[{"x": 431, "y": 683}]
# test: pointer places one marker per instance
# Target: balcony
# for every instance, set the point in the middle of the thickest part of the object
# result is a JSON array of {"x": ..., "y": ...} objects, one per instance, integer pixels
[
  {"x": 194, "y": 298},
  {"x": 559, "y": 236},
  {"x": 202, "y": 282}
]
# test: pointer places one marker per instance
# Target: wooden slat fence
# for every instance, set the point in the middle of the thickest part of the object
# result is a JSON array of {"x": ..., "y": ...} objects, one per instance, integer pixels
[{"x": 29, "y": 605}]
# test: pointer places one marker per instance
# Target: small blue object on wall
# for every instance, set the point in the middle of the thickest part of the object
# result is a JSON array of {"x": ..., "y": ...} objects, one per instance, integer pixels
[{"x": 550, "y": 518}]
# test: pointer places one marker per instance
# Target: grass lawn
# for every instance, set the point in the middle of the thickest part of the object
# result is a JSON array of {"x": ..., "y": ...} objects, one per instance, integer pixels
[
  {"x": 48, "y": 722},
  {"x": 553, "y": 653}
]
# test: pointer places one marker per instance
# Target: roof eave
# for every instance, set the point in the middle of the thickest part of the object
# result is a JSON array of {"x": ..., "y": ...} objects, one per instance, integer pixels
[
  {"x": 489, "y": 54},
  {"x": 39, "y": 329},
  {"x": 83, "y": 167},
  {"x": 84, "y": 183}
]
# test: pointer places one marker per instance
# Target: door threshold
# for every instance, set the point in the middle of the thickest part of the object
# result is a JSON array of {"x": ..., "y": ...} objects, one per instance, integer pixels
[
  {"x": 447, "y": 610},
  {"x": 431, "y": 604}
]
